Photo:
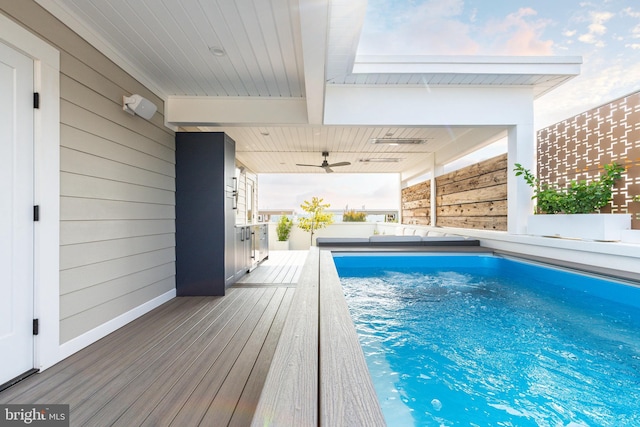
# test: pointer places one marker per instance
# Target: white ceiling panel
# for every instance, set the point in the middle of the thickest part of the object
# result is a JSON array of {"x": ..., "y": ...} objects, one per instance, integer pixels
[{"x": 170, "y": 41}]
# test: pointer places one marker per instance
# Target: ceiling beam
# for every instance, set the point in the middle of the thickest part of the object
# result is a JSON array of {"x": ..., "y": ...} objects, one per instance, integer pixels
[
  {"x": 354, "y": 105},
  {"x": 314, "y": 23},
  {"x": 468, "y": 64},
  {"x": 234, "y": 110}
]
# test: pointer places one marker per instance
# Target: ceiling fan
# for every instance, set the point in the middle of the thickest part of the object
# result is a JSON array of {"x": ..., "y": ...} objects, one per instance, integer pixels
[{"x": 325, "y": 165}]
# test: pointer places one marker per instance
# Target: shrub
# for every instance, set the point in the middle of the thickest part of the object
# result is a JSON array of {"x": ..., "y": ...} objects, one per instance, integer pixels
[
  {"x": 353, "y": 216},
  {"x": 578, "y": 197},
  {"x": 283, "y": 229}
]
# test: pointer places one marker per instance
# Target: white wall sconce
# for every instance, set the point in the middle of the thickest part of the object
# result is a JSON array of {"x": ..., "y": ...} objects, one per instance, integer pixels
[{"x": 136, "y": 104}]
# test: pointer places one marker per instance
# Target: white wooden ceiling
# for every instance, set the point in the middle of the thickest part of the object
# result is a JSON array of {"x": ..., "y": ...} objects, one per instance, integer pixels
[
  {"x": 286, "y": 49},
  {"x": 279, "y": 149}
]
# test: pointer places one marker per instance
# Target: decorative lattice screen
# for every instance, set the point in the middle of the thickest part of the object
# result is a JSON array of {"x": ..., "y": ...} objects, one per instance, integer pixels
[{"x": 579, "y": 147}]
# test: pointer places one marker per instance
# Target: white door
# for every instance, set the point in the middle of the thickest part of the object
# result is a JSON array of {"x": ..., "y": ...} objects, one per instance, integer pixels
[{"x": 16, "y": 213}]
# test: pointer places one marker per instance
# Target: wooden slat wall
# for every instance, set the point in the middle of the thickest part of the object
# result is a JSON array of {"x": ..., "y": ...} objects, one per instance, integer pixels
[
  {"x": 416, "y": 204},
  {"x": 117, "y": 182},
  {"x": 472, "y": 197}
]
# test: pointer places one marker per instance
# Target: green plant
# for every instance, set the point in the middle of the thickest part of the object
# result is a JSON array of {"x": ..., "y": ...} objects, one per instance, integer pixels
[
  {"x": 283, "y": 229},
  {"x": 317, "y": 218},
  {"x": 578, "y": 197},
  {"x": 353, "y": 216}
]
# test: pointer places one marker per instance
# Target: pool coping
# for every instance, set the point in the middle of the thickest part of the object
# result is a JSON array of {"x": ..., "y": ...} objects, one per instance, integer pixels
[
  {"x": 629, "y": 278},
  {"x": 318, "y": 376}
]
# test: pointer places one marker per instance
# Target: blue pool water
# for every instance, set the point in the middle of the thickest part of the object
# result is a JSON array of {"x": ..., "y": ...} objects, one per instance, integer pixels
[{"x": 484, "y": 341}]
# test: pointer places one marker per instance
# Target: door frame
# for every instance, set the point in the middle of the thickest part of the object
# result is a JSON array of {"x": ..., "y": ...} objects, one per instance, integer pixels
[{"x": 46, "y": 256}]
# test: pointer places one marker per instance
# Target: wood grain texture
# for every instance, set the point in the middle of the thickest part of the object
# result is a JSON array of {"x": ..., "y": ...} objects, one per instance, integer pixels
[
  {"x": 347, "y": 396},
  {"x": 197, "y": 339},
  {"x": 472, "y": 197},
  {"x": 290, "y": 393},
  {"x": 318, "y": 375},
  {"x": 281, "y": 267},
  {"x": 248, "y": 401}
]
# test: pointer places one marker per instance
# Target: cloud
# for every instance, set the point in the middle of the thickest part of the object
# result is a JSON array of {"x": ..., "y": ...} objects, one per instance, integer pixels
[
  {"x": 630, "y": 12},
  {"x": 519, "y": 34},
  {"x": 602, "y": 81},
  {"x": 430, "y": 28},
  {"x": 437, "y": 27},
  {"x": 596, "y": 28}
]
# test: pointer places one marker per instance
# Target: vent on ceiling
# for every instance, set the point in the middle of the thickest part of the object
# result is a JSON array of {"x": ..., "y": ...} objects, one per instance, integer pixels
[{"x": 399, "y": 141}]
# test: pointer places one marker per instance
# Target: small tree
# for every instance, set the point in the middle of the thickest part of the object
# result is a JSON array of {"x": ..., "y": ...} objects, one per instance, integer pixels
[
  {"x": 317, "y": 218},
  {"x": 283, "y": 229}
]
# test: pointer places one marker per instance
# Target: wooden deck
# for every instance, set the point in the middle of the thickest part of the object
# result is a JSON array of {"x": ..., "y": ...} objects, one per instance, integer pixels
[
  {"x": 282, "y": 267},
  {"x": 192, "y": 361}
]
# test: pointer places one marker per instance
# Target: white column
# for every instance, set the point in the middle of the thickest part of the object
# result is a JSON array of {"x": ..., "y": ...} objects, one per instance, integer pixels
[
  {"x": 521, "y": 149},
  {"x": 401, "y": 185},
  {"x": 436, "y": 170}
]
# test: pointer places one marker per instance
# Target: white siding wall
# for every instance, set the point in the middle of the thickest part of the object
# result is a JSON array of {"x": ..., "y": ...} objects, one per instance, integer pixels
[{"x": 117, "y": 179}]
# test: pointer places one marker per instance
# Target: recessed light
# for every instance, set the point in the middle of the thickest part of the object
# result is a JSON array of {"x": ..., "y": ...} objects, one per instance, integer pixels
[
  {"x": 264, "y": 133},
  {"x": 381, "y": 160},
  {"x": 398, "y": 141},
  {"x": 217, "y": 51}
]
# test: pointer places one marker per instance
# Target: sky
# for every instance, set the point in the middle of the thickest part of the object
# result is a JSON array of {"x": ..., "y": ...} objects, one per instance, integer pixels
[{"x": 605, "y": 33}]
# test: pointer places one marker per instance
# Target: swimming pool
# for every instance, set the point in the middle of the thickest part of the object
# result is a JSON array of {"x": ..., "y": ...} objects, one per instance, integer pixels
[{"x": 480, "y": 340}]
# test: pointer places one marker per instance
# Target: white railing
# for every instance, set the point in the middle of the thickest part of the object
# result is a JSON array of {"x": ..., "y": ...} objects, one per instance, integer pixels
[
  {"x": 620, "y": 256},
  {"x": 301, "y": 240}
]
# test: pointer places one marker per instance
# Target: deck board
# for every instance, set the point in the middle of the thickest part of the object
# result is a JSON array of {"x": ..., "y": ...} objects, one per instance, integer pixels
[
  {"x": 195, "y": 353},
  {"x": 191, "y": 360},
  {"x": 281, "y": 267},
  {"x": 248, "y": 401}
]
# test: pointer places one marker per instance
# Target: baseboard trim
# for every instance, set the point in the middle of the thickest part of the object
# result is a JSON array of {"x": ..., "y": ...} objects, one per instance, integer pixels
[{"x": 88, "y": 338}]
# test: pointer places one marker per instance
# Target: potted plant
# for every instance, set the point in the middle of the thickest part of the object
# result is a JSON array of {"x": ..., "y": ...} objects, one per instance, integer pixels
[
  {"x": 283, "y": 230},
  {"x": 568, "y": 212}
]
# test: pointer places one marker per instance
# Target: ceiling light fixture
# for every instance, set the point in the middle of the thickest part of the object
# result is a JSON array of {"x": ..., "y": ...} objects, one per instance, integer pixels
[
  {"x": 217, "y": 51},
  {"x": 381, "y": 160},
  {"x": 399, "y": 141}
]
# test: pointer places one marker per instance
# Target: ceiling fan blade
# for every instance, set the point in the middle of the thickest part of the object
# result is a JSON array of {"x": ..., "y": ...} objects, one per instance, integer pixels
[
  {"x": 327, "y": 169},
  {"x": 315, "y": 166},
  {"x": 340, "y": 164}
]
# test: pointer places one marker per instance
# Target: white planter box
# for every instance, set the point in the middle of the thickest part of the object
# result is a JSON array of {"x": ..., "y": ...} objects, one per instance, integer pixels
[
  {"x": 631, "y": 236},
  {"x": 607, "y": 227},
  {"x": 281, "y": 246}
]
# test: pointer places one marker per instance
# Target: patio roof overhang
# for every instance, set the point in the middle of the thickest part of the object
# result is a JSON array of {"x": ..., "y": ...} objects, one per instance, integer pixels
[{"x": 290, "y": 84}]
